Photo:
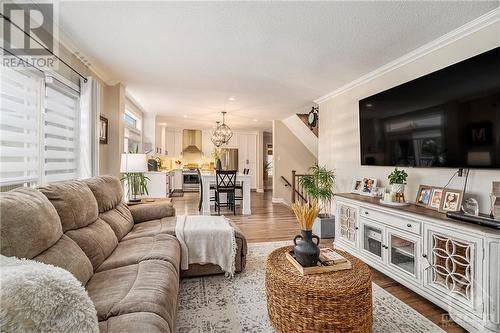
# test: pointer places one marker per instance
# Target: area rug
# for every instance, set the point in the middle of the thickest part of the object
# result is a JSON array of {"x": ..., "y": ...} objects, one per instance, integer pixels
[{"x": 216, "y": 304}]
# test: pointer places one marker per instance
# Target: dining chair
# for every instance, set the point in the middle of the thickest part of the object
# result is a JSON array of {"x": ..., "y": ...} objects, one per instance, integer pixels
[{"x": 225, "y": 182}]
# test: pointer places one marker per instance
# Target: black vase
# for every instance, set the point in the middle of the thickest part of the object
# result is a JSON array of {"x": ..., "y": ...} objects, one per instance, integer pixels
[
  {"x": 218, "y": 165},
  {"x": 306, "y": 251}
]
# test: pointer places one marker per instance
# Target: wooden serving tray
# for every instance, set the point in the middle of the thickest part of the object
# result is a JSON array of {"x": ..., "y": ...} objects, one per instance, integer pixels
[{"x": 317, "y": 269}]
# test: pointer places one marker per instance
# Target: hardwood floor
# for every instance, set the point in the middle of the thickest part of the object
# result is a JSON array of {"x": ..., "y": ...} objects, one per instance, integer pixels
[{"x": 272, "y": 222}]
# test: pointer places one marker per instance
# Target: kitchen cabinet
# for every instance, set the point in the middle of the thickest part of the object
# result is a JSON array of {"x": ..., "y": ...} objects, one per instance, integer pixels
[
  {"x": 450, "y": 263},
  {"x": 173, "y": 142},
  {"x": 207, "y": 146},
  {"x": 247, "y": 155},
  {"x": 157, "y": 184},
  {"x": 176, "y": 179}
]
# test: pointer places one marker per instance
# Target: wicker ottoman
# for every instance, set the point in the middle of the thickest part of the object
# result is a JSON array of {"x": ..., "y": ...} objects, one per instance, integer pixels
[{"x": 330, "y": 302}]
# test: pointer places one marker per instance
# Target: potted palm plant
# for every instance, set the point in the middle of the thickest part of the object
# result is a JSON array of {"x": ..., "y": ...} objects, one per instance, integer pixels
[{"x": 318, "y": 185}]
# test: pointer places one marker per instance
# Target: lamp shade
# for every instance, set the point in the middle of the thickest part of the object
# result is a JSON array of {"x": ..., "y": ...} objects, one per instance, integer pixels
[{"x": 133, "y": 163}]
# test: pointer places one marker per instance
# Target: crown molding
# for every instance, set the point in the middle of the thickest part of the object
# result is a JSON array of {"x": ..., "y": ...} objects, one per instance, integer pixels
[{"x": 469, "y": 28}]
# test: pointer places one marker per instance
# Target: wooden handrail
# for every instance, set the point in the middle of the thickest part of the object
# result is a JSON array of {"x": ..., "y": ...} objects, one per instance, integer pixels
[
  {"x": 295, "y": 181},
  {"x": 288, "y": 184}
]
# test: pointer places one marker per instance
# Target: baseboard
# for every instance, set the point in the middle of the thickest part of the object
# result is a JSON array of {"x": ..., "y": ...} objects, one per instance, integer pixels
[{"x": 279, "y": 200}]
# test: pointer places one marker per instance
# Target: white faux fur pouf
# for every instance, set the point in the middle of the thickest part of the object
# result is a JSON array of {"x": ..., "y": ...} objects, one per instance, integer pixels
[{"x": 36, "y": 297}]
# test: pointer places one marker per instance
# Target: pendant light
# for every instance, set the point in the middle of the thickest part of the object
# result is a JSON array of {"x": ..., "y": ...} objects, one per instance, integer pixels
[
  {"x": 217, "y": 139},
  {"x": 225, "y": 132}
]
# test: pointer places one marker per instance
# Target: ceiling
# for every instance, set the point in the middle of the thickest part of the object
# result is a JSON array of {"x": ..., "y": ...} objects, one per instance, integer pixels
[{"x": 185, "y": 60}]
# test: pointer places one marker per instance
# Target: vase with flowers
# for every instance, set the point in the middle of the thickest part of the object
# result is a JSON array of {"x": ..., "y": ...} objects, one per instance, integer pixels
[{"x": 306, "y": 251}]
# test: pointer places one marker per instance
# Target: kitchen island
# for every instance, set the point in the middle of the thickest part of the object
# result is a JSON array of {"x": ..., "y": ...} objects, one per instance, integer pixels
[{"x": 208, "y": 178}]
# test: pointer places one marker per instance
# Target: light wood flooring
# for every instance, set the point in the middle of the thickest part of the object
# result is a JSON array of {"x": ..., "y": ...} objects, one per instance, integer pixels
[{"x": 273, "y": 222}]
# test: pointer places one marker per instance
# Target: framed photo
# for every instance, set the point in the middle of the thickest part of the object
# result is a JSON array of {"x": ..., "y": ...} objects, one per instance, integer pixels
[
  {"x": 103, "y": 130},
  {"x": 451, "y": 201},
  {"x": 356, "y": 185},
  {"x": 435, "y": 199},
  {"x": 368, "y": 186},
  {"x": 423, "y": 195}
]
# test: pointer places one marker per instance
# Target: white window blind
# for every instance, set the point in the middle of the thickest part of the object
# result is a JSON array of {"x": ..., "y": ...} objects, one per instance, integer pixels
[
  {"x": 61, "y": 123},
  {"x": 20, "y": 105}
]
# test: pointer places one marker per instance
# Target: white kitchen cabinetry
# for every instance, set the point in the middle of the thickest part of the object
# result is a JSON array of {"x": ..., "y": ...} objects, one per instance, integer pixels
[
  {"x": 451, "y": 263},
  {"x": 207, "y": 146},
  {"x": 157, "y": 184},
  {"x": 176, "y": 179},
  {"x": 173, "y": 142},
  {"x": 247, "y": 155}
]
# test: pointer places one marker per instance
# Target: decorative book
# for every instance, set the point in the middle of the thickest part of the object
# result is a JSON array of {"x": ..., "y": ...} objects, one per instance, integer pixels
[{"x": 320, "y": 268}]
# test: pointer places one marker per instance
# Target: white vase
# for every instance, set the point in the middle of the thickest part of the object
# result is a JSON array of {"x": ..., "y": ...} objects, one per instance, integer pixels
[{"x": 398, "y": 188}]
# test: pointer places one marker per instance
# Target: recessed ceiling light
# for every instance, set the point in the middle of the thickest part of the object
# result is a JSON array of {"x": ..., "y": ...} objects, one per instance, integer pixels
[
  {"x": 185, "y": 116},
  {"x": 232, "y": 99},
  {"x": 255, "y": 120}
]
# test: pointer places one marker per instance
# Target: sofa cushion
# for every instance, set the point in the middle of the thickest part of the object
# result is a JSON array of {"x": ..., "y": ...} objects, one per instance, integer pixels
[
  {"x": 165, "y": 225},
  {"x": 74, "y": 202},
  {"x": 107, "y": 191},
  {"x": 66, "y": 254},
  {"x": 97, "y": 240},
  {"x": 119, "y": 219},
  {"x": 135, "y": 322},
  {"x": 30, "y": 224},
  {"x": 149, "y": 286},
  {"x": 77, "y": 207},
  {"x": 133, "y": 251}
]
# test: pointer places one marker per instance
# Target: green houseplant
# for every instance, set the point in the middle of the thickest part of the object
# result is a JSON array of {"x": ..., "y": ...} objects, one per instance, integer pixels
[
  {"x": 397, "y": 180},
  {"x": 217, "y": 155},
  {"x": 136, "y": 184},
  {"x": 319, "y": 185}
]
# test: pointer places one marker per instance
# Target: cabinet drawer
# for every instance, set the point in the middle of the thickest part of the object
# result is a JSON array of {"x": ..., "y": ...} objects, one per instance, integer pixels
[{"x": 401, "y": 223}]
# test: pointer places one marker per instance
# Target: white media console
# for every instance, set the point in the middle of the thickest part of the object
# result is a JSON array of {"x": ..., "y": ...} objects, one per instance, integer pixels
[{"x": 454, "y": 264}]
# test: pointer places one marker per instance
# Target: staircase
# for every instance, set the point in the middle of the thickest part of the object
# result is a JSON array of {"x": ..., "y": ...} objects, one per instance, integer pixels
[{"x": 297, "y": 124}]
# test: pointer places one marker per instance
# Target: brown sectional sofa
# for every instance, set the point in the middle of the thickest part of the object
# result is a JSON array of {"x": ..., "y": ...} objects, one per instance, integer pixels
[{"x": 126, "y": 257}]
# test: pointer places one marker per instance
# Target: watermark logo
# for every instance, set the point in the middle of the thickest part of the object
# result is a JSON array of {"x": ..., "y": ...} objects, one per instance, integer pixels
[{"x": 29, "y": 37}]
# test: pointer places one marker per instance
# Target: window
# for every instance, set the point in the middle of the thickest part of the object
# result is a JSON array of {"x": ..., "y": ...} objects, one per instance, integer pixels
[
  {"x": 133, "y": 133},
  {"x": 19, "y": 127},
  {"x": 39, "y": 129},
  {"x": 61, "y": 126}
]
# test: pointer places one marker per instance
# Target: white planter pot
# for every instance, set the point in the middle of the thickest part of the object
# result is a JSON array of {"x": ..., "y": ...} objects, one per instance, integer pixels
[{"x": 398, "y": 188}]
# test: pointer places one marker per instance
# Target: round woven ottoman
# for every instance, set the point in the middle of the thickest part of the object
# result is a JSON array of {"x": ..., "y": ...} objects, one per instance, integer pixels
[{"x": 338, "y": 301}]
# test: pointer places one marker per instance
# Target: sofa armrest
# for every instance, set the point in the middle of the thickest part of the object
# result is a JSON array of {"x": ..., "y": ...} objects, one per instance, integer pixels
[{"x": 151, "y": 211}]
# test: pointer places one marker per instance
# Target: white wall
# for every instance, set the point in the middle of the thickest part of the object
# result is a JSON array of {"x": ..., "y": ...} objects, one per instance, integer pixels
[{"x": 339, "y": 124}]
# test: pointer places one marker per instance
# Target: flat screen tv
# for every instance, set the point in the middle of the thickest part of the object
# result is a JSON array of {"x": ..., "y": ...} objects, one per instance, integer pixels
[{"x": 449, "y": 118}]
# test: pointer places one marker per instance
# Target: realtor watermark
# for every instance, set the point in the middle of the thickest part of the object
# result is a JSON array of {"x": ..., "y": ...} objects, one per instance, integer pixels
[{"x": 29, "y": 35}]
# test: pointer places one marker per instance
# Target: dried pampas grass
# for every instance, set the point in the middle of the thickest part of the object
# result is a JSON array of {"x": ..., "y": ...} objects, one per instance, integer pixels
[{"x": 306, "y": 213}]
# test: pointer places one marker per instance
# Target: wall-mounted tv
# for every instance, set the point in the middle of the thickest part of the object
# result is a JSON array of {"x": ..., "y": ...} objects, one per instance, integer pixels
[{"x": 449, "y": 118}]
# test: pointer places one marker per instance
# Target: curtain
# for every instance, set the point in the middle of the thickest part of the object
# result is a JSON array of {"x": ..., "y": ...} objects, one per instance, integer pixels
[{"x": 90, "y": 105}]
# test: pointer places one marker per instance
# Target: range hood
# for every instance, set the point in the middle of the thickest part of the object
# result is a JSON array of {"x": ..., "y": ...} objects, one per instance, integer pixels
[{"x": 191, "y": 141}]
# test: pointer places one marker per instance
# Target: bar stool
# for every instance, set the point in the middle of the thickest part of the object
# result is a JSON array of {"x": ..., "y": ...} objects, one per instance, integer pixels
[{"x": 225, "y": 182}]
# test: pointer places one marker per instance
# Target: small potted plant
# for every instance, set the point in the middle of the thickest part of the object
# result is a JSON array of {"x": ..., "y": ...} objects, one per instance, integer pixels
[
  {"x": 318, "y": 185},
  {"x": 217, "y": 155},
  {"x": 397, "y": 180}
]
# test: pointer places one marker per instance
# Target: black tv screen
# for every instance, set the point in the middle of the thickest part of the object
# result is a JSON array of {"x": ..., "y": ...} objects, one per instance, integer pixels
[{"x": 449, "y": 118}]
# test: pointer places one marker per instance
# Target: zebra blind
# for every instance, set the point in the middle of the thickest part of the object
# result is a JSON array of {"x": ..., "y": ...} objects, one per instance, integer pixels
[
  {"x": 20, "y": 104},
  {"x": 61, "y": 123}
]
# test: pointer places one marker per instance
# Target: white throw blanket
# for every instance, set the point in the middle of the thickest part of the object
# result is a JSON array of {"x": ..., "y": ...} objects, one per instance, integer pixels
[{"x": 206, "y": 239}]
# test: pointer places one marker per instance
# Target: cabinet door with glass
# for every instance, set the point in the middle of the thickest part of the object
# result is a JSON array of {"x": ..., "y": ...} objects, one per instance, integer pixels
[
  {"x": 347, "y": 225},
  {"x": 372, "y": 241},
  {"x": 403, "y": 251}
]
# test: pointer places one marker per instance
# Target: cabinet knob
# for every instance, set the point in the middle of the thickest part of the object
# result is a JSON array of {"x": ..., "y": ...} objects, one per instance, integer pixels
[
  {"x": 424, "y": 255},
  {"x": 356, "y": 228},
  {"x": 409, "y": 225},
  {"x": 366, "y": 213}
]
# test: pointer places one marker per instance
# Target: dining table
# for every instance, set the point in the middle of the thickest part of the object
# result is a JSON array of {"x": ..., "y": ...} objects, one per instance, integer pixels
[{"x": 208, "y": 178}]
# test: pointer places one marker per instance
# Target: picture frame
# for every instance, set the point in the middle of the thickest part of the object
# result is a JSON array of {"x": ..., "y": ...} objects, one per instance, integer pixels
[
  {"x": 423, "y": 195},
  {"x": 368, "y": 186},
  {"x": 103, "y": 130},
  {"x": 451, "y": 200},
  {"x": 356, "y": 185},
  {"x": 435, "y": 199}
]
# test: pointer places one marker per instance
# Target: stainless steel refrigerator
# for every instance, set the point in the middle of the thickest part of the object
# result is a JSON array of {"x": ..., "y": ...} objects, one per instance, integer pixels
[{"x": 230, "y": 159}]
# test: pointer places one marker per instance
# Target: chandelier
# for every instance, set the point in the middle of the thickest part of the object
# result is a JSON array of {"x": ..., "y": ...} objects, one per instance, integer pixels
[
  {"x": 217, "y": 139},
  {"x": 222, "y": 133}
]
